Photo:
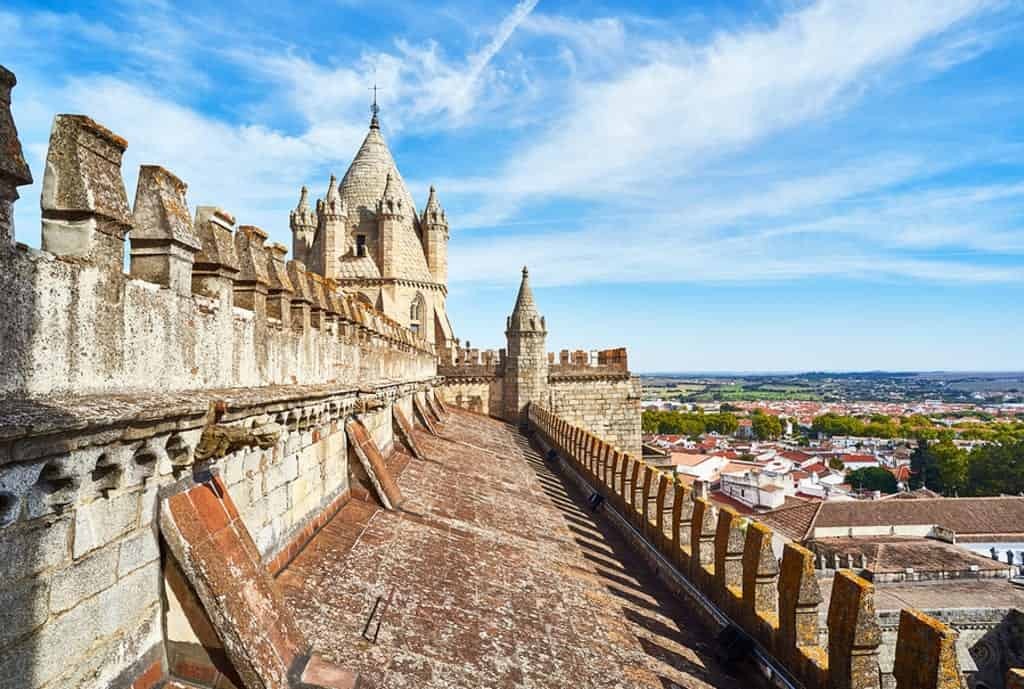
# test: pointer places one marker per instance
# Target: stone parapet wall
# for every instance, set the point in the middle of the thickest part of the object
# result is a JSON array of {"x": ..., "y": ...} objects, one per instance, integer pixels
[
  {"x": 204, "y": 305},
  {"x": 213, "y": 355},
  {"x": 586, "y": 363},
  {"x": 79, "y": 551},
  {"x": 607, "y": 407},
  {"x": 727, "y": 560},
  {"x": 479, "y": 395}
]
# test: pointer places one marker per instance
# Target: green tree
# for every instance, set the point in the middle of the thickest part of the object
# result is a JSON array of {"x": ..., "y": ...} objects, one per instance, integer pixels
[
  {"x": 672, "y": 422},
  {"x": 885, "y": 429},
  {"x": 924, "y": 468},
  {"x": 766, "y": 426},
  {"x": 996, "y": 469},
  {"x": 873, "y": 478},
  {"x": 951, "y": 463},
  {"x": 723, "y": 423},
  {"x": 835, "y": 424},
  {"x": 836, "y": 463}
]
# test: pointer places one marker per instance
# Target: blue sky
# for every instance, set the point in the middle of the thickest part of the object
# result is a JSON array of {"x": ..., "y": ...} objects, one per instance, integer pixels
[{"x": 773, "y": 185}]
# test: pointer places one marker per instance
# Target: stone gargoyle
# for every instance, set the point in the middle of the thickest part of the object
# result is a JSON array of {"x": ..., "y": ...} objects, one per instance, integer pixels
[{"x": 219, "y": 440}]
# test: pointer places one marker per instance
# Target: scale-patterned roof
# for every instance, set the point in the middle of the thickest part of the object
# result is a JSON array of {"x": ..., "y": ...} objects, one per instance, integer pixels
[
  {"x": 361, "y": 189},
  {"x": 358, "y": 267}
]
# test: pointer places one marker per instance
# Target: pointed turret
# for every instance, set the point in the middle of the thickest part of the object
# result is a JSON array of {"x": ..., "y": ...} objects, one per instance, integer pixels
[
  {"x": 303, "y": 223},
  {"x": 331, "y": 239},
  {"x": 525, "y": 317},
  {"x": 526, "y": 366},
  {"x": 433, "y": 212},
  {"x": 332, "y": 205},
  {"x": 391, "y": 202},
  {"x": 390, "y": 226},
  {"x": 434, "y": 224}
]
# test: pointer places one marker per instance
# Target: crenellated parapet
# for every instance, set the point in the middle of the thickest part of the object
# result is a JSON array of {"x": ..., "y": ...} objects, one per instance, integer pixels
[
  {"x": 206, "y": 303},
  {"x": 468, "y": 362},
  {"x": 726, "y": 565},
  {"x": 582, "y": 363}
]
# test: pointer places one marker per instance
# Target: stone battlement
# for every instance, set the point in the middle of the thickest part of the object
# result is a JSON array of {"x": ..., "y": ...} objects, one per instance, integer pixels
[
  {"x": 594, "y": 364},
  {"x": 204, "y": 305},
  {"x": 215, "y": 384},
  {"x": 469, "y": 362},
  {"x": 727, "y": 564}
]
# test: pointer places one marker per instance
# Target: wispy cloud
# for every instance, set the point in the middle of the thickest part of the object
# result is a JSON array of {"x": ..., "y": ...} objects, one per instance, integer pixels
[
  {"x": 643, "y": 130},
  {"x": 613, "y": 149}
]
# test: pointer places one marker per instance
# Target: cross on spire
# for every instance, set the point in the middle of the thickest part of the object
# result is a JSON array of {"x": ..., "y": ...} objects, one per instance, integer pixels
[{"x": 374, "y": 109}]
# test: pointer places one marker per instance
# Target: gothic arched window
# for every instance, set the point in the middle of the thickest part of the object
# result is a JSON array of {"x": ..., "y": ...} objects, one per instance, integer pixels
[{"x": 416, "y": 308}]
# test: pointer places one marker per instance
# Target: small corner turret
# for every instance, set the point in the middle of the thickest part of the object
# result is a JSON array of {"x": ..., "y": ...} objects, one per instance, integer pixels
[
  {"x": 434, "y": 223},
  {"x": 526, "y": 364},
  {"x": 303, "y": 224},
  {"x": 390, "y": 214},
  {"x": 390, "y": 204}
]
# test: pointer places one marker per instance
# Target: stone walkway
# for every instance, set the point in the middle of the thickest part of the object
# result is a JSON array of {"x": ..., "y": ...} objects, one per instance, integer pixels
[{"x": 497, "y": 576}]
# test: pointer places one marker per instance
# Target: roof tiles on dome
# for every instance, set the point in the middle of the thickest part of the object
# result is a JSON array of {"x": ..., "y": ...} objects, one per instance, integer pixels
[
  {"x": 357, "y": 268},
  {"x": 364, "y": 185}
]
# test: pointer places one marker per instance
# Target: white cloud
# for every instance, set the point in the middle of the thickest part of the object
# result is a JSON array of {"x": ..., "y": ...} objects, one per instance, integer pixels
[
  {"x": 420, "y": 85},
  {"x": 249, "y": 170},
  {"x": 640, "y": 131},
  {"x": 647, "y": 140}
]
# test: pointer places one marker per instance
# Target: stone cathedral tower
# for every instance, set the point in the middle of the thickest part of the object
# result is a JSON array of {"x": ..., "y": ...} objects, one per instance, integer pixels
[
  {"x": 367, "y": 236},
  {"x": 526, "y": 364}
]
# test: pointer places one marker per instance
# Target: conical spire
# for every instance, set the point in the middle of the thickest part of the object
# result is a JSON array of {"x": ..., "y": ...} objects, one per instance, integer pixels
[
  {"x": 525, "y": 315},
  {"x": 332, "y": 190},
  {"x": 333, "y": 204},
  {"x": 433, "y": 212},
  {"x": 391, "y": 200},
  {"x": 303, "y": 216}
]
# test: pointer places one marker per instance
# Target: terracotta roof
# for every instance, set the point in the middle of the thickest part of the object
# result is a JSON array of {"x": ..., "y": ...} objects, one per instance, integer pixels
[
  {"x": 858, "y": 459},
  {"x": 918, "y": 494},
  {"x": 816, "y": 468},
  {"x": 721, "y": 498},
  {"x": 963, "y": 515},
  {"x": 888, "y": 554},
  {"x": 689, "y": 459},
  {"x": 792, "y": 521}
]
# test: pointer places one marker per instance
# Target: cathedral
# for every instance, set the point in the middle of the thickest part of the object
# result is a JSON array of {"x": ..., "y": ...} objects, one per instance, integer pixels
[{"x": 367, "y": 236}]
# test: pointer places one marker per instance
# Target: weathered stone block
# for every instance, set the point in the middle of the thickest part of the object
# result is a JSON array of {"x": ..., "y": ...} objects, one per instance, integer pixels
[
  {"x": 23, "y": 609},
  {"x": 137, "y": 551},
  {"x": 760, "y": 574},
  {"x": 216, "y": 264},
  {"x": 32, "y": 548},
  {"x": 83, "y": 193},
  {"x": 163, "y": 241},
  {"x": 285, "y": 471},
  {"x": 925, "y": 653},
  {"x": 799, "y": 598},
  {"x": 103, "y": 520},
  {"x": 853, "y": 634},
  {"x": 84, "y": 578}
]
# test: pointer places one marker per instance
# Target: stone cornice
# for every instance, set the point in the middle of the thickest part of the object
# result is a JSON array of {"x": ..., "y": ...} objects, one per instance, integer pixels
[{"x": 379, "y": 282}]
